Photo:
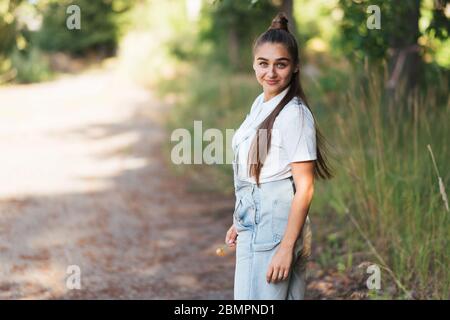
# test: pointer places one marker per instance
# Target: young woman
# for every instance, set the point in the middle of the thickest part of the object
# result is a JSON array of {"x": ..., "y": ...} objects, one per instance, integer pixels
[{"x": 276, "y": 161}]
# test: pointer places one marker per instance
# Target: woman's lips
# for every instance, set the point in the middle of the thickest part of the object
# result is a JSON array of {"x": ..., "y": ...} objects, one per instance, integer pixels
[{"x": 272, "y": 82}]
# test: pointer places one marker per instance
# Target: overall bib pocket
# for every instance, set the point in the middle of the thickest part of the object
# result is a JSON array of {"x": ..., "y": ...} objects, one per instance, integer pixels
[{"x": 244, "y": 214}]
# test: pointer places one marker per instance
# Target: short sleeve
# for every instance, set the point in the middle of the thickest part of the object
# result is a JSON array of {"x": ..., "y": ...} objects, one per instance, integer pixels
[{"x": 298, "y": 135}]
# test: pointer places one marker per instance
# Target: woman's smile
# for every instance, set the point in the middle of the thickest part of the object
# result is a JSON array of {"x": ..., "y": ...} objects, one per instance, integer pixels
[{"x": 272, "y": 82}]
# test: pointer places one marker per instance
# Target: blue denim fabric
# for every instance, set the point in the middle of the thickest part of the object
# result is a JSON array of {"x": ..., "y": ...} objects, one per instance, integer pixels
[{"x": 260, "y": 217}]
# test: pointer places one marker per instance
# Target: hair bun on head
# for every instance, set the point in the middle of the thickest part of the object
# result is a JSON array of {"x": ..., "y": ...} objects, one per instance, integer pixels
[{"x": 280, "y": 22}]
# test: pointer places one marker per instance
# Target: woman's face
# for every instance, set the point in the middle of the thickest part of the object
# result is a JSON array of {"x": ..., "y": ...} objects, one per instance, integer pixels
[{"x": 273, "y": 68}]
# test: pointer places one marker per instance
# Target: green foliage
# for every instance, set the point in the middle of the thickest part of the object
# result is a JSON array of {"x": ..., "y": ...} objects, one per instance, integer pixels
[
  {"x": 8, "y": 27},
  {"x": 400, "y": 27},
  {"x": 440, "y": 24},
  {"x": 30, "y": 66},
  {"x": 21, "y": 57},
  {"x": 99, "y": 26},
  {"x": 9, "y": 31},
  {"x": 231, "y": 27},
  {"x": 361, "y": 41}
]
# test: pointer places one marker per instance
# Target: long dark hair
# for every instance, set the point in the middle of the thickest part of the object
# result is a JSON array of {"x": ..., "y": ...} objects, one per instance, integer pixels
[{"x": 278, "y": 33}]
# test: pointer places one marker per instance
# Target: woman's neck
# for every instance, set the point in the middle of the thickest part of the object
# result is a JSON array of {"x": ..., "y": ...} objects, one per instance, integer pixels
[{"x": 270, "y": 95}]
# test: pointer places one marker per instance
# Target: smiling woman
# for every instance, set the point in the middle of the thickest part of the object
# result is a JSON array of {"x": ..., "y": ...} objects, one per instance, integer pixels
[
  {"x": 278, "y": 153},
  {"x": 274, "y": 69}
]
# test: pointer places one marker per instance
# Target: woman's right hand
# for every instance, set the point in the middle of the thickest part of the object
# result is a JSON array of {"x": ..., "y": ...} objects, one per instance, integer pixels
[{"x": 230, "y": 238}]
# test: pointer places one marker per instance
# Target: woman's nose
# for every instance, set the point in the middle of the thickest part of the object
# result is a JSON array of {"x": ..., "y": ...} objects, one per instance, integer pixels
[{"x": 271, "y": 73}]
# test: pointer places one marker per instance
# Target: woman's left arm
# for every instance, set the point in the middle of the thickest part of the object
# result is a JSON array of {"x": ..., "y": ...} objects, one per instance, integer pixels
[{"x": 303, "y": 174}]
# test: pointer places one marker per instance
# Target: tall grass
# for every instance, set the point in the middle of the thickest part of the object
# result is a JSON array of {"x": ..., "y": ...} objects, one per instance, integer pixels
[{"x": 387, "y": 183}]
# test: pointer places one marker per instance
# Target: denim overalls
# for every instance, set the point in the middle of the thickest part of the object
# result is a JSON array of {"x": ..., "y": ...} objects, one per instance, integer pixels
[{"x": 260, "y": 217}]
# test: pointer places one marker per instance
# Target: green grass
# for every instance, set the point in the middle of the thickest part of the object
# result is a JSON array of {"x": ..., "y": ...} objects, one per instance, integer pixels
[{"x": 386, "y": 181}]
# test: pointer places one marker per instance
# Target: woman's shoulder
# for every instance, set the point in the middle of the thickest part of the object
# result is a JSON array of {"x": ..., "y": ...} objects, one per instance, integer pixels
[{"x": 294, "y": 109}]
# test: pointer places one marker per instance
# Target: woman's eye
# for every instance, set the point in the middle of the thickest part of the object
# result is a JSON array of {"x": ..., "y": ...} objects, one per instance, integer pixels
[{"x": 279, "y": 65}]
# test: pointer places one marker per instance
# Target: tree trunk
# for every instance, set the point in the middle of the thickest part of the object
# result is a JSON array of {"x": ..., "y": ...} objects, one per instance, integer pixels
[
  {"x": 233, "y": 47},
  {"x": 404, "y": 61}
]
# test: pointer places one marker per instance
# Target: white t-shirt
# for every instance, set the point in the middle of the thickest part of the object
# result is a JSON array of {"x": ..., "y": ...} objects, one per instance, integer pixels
[{"x": 293, "y": 138}]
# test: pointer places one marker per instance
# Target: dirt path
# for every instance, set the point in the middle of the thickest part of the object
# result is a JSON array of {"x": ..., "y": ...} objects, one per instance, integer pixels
[{"x": 83, "y": 183}]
